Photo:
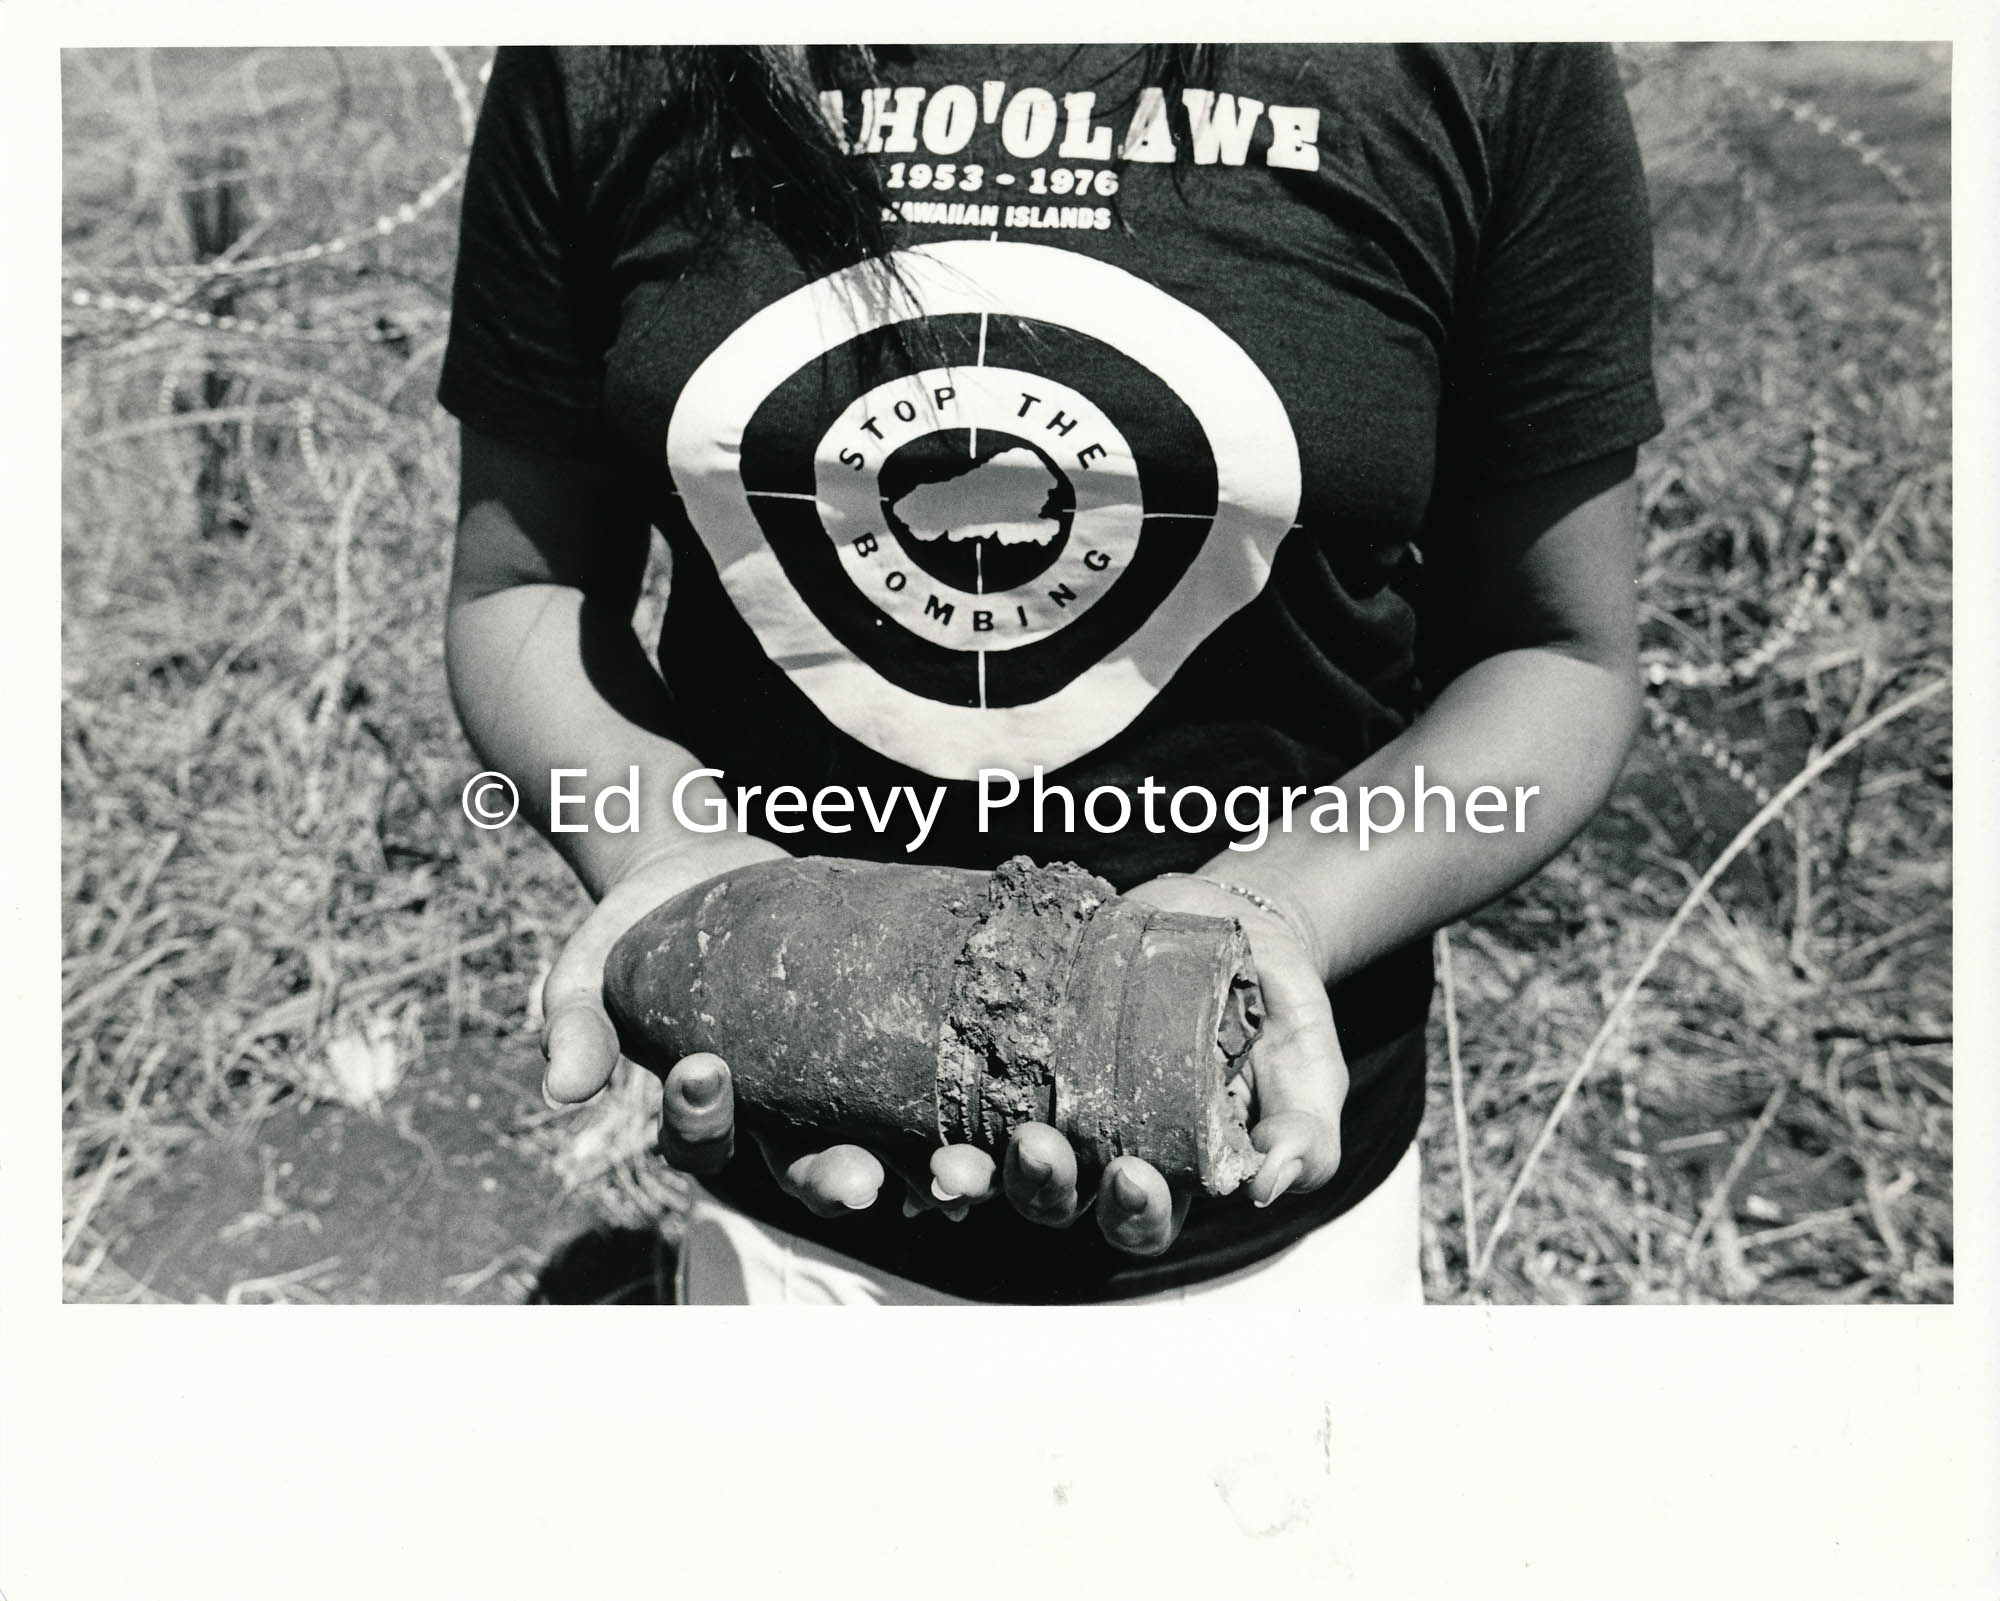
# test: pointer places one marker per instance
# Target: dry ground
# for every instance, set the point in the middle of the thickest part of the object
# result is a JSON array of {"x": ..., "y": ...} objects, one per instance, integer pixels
[{"x": 297, "y": 988}]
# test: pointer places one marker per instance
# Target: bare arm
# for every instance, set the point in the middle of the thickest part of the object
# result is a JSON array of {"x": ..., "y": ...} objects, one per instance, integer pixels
[
  {"x": 1534, "y": 588},
  {"x": 546, "y": 672},
  {"x": 1535, "y": 591},
  {"x": 544, "y": 668}
]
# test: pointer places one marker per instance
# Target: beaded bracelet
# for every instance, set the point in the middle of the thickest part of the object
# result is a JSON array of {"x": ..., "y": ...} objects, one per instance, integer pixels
[{"x": 1263, "y": 903}]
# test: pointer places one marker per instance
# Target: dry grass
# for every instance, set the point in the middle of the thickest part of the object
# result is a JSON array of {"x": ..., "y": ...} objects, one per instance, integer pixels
[{"x": 269, "y": 892}]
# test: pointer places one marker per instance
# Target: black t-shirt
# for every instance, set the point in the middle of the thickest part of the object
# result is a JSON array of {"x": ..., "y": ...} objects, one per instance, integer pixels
[{"x": 1143, "y": 494}]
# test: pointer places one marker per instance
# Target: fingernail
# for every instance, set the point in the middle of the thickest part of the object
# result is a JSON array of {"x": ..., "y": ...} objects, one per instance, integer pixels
[
  {"x": 701, "y": 1086},
  {"x": 550, "y": 1101},
  {"x": 1287, "y": 1177},
  {"x": 1131, "y": 1190}
]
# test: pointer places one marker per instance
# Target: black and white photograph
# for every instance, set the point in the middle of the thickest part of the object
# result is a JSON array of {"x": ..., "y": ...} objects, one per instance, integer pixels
[
  {"x": 1298, "y": 679},
  {"x": 818, "y": 478}
]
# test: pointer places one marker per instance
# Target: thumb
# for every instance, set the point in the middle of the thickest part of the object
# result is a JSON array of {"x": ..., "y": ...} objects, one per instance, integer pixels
[{"x": 578, "y": 1039}]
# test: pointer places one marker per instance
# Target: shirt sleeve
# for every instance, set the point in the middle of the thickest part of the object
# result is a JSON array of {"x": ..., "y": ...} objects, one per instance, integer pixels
[
  {"x": 523, "y": 361},
  {"x": 1552, "y": 347}
]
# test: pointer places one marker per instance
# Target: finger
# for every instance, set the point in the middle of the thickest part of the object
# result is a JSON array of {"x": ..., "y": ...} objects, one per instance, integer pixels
[
  {"x": 698, "y": 1114},
  {"x": 829, "y": 1183},
  {"x": 1039, "y": 1176},
  {"x": 1299, "y": 1083},
  {"x": 961, "y": 1176},
  {"x": 961, "y": 1173},
  {"x": 1136, "y": 1210},
  {"x": 582, "y": 1049},
  {"x": 1301, "y": 1151},
  {"x": 921, "y": 1203},
  {"x": 578, "y": 1039}
]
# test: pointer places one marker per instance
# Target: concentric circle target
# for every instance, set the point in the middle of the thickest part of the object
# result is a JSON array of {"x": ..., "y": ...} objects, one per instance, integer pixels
[{"x": 991, "y": 542}]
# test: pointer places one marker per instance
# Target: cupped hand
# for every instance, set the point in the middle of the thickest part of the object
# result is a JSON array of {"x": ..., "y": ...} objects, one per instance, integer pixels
[
  {"x": 697, "y": 1135},
  {"x": 1134, "y": 1208},
  {"x": 697, "y": 1120},
  {"x": 577, "y": 1036},
  {"x": 1295, "y": 1069}
]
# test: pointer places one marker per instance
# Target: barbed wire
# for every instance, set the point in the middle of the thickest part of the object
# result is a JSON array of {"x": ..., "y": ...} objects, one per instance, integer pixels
[
  {"x": 1937, "y": 269},
  {"x": 340, "y": 439},
  {"x": 461, "y": 96},
  {"x": 389, "y": 222},
  {"x": 382, "y": 329},
  {"x": 1815, "y": 597},
  {"x": 1808, "y": 609},
  {"x": 1818, "y": 592},
  {"x": 1804, "y": 610},
  {"x": 1677, "y": 730},
  {"x": 382, "y": 227}
]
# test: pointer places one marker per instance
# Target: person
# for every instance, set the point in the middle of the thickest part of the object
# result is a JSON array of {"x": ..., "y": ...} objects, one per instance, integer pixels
[{"x": 1170, "y": 416}]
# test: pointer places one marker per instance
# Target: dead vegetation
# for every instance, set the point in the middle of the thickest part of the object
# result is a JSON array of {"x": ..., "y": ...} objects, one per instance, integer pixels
[{"x": 270, "y": 894}]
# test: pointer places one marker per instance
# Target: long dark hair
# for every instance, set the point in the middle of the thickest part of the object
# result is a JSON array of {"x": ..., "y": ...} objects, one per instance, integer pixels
[{"x": 743, "y": 131}]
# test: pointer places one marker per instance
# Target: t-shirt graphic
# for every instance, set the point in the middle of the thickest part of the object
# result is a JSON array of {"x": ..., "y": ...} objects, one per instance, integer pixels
[
  {"x": 1124, "y": 473},
  {"x": 971, "y": 563},
  {"x": 987, "y": 500}
]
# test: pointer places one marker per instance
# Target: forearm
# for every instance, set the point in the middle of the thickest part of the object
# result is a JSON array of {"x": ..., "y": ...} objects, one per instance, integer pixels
[
  {"x": 537, "y": 687},
  {"x": 1531, "y": 719}
]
